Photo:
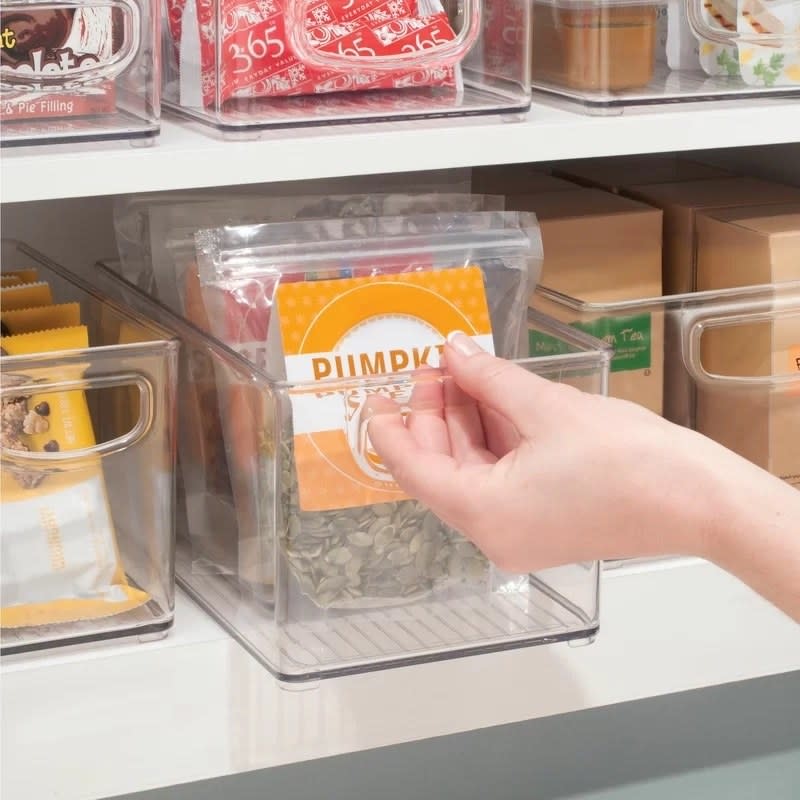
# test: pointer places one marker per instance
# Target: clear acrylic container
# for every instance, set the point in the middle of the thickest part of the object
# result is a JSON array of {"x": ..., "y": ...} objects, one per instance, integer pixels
[
  {"x": 108, "y": 508},
  {"x": 79, "y": 70},
  {"x": 278, "y": 579},
  {"x": 241, "y": 67},
  {"x": 762, "y": 35},
  {"x": 607, "y": 55},
  {"x": 731, "y": 362}
]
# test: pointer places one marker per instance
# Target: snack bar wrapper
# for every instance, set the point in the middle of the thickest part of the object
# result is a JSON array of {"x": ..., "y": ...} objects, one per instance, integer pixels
[
  {"x": 256, "y": 58},
  {"x": 25, "y": 295},
  {"x": 59, "y": 560},
  {"x": 30, "y": 320}
]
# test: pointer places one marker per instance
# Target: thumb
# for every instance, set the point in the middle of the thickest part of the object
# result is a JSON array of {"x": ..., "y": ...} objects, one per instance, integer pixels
[{"x": 497, "y": 384}]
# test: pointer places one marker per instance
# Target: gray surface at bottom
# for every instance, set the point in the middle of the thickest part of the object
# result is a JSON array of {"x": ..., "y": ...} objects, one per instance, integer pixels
[
  {"x": 740, "y": 741},
  {"x": 770, "y": 777}
]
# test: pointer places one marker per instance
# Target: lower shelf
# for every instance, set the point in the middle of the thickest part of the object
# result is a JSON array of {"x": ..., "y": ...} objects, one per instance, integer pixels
[{"x": 122, "y": 718}]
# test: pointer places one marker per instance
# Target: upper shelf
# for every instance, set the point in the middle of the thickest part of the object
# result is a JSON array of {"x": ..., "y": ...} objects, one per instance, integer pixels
[{"x": 184, "y": 158}]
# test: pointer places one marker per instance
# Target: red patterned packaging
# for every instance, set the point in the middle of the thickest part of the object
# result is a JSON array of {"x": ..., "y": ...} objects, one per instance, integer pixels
[
  {"x": 504, "y": 36},
  {"x": 256, "y": 58}
]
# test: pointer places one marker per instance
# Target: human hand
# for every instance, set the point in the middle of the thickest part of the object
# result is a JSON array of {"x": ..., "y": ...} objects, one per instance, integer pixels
[{"x": 539, "y": 474}]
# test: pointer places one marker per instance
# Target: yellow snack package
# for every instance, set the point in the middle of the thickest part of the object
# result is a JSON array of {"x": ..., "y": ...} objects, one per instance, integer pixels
[
  {"x": 23, "y": 275},
  {"x": 25, "y": 295},
  {"x": 29, "y": 320},
  {"x": 10, "y": 280},
  {"x": 59, "y": 560}
]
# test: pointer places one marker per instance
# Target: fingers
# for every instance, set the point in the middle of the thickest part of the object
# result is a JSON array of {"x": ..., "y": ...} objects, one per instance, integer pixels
[
  {"x": 464, "y": 426},
  {"x": 426, "y": 474},
  {"x": 520, "y": 396},
  {"x": 501, "y": 435},
  {"x": 426, "y": 420}
]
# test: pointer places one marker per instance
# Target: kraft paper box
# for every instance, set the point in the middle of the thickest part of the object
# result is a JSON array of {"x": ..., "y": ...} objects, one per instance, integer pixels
[
  {"x": 682, "y": 202},
  {"x": 514, "y": 179},
  {"x": 615, "y": 174},
  {"x": 602, "y": 248},
  {"x": 739, "y": 247}
]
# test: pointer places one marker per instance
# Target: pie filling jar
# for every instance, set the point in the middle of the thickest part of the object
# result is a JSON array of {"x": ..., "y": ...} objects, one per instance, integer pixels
[
  {"x": 590, "y": 49},
  {"x": 316, "y": 594},
  {"x": 610, "y": 54},
  {"x": 241, "y": 66},
  {"x": 86, "y": 451},
  {"x": 80, "y": 70}
]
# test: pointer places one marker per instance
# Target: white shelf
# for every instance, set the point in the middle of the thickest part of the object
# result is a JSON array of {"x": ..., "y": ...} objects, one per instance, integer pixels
[
  {"x": 128, "y": 718},
  {"x": 185, "y": 157}
]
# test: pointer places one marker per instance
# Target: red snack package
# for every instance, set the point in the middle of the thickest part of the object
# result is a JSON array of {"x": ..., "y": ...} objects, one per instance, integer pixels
[
  {"x": 256, "y": 59},
  {"x": 504, "y": 35}
]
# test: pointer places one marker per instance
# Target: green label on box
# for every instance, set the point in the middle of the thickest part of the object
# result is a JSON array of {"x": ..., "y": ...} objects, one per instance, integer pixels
[
  {"x": 630, "y": 337},
  {"x": 542, "y": 344}
]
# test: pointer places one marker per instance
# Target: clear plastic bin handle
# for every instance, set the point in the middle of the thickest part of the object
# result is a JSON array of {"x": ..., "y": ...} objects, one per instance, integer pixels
[
  {"x": 732, "y": 35},
  {"x": 694, "y": 325},
  {"x": 423, "y": 54},
  {"x": 78, "y": 62},
  {"x": 71, "y": 458}
]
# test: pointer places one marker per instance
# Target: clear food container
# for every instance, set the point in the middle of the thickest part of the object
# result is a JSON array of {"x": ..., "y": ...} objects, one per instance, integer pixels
[
  {"x": 79, "y": 70},
  {"x": 88, "y": 518},
  {"x": 610, "y": 54},
  {"x": 319, "y": 594},
  {"x": 731, "y": 362},
  {"x": 243, "y": 66},
  {"x": 761, "y": 37},
  {"x": 594, "y": 46}
]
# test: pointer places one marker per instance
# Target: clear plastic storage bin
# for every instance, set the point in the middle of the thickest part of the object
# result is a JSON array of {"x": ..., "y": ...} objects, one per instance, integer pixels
[
  {"x": 319, "y": 594},
  {"x": 79, "y": 70},
  {"x": 242, "y": 66},
  {"x": 87, "y": 535},
  {"x": 609, "y": 54},
  {"x": 731, "y": 362}
]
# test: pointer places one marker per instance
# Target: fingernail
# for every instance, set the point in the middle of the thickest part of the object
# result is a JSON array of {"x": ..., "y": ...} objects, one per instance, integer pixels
[{"x": 462, "y": 343}]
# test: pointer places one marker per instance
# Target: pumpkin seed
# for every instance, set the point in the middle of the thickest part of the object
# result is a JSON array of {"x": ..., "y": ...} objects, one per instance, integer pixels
[
  {"x": 359, "y": 555},
  {"x": 339, "y": 556},
  {"x": 360, "y": 539}
]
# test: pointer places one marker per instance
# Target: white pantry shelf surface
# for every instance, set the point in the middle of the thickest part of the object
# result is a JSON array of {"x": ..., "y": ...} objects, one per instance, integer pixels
[
  {"x": 185, "y": 157},
  {"x": 195, "y": 706}
]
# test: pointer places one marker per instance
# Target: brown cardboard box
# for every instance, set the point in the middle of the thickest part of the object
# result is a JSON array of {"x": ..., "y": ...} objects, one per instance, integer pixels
[
  {"x": 605, "y": 249},
  {"x": 740, "y": 247},
  {"x": 617, "y": 173},
  {"x": 748, "y": 246},
  {"x": 681, "y": 202},
  {"x": 511, "y": 179}
]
